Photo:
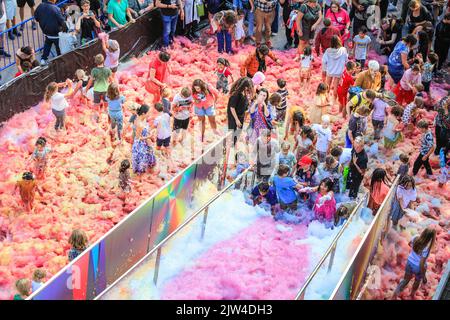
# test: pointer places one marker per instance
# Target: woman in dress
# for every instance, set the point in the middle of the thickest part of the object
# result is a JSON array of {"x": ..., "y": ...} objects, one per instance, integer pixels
[
  {"x": 308, "y": 19},
  {"x": 143, "y": 157}
]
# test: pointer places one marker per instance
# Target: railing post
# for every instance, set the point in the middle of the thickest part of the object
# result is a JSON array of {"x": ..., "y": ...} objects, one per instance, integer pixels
[
  {"x": 302, "y": 295},
  {"x": 157, "y": 262},
  {"x": 205, "y": 217},
  {"x": 330, "y": 265}
]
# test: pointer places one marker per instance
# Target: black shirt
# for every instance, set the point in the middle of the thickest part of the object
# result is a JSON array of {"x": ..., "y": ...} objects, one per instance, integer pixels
[
  {"x": 169, "y": 12},
  {"x": 240, "y": 104},
  {"x": 356, "y": 126},
  {"x": 422, "y": 17},
  {"x": 87, "y": 27},
  {"x": 361, "y": 161}
]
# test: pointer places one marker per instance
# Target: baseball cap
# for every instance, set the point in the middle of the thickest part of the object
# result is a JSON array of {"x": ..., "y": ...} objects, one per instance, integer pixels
[{"x": 305, "y": 161}]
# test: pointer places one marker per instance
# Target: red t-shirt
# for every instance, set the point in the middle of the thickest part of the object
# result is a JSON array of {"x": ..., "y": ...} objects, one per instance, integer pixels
[
  {"x": 338, "y": 19},
  {"x": 347, "y": 82},
  {"x": 225, "y": 71},
  {"x": 160, "y": 67}
]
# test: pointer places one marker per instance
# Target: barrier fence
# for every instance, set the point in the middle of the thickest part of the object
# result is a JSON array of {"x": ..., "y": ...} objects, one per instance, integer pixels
[
  {"x": 140, "y": 232},
  {"x": 30, "y": 36},
  {"x": 196, "y": 223},
  {"x": 352, "y": 280},
  {"x": 318, "y": 272}
]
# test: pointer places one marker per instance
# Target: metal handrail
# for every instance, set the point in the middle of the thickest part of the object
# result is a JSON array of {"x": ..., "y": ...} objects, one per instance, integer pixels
[
  {"x": 330, "y": 249},
  {"x": 124, "y": 219},
  {"x": 182, "y": 226}
]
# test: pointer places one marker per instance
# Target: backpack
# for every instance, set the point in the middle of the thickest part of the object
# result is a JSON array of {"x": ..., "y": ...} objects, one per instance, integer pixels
[{"x": 353, "y": 91}]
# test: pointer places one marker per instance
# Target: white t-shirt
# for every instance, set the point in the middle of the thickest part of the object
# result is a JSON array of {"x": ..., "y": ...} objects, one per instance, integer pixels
[
  {"x": 346, "y": 156},
  {"x": 162, "y": 124},
  {"x": 184, "y": 105},
  {"x": 112, "y": 58},
  {"x": 58, "y": 102},
  {"x": 361, "y": 45},
  {"x": 323, "y": 137},
  {"x": 305, "y": 61}
]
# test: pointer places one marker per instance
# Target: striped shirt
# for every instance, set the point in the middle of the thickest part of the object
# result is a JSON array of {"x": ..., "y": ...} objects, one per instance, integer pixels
[
  {"x": 406, "y": 118},
  {"x": 283, "y": 93},
  {"x": 266, "y": 6},
  {"x": 427, "y": 143}
]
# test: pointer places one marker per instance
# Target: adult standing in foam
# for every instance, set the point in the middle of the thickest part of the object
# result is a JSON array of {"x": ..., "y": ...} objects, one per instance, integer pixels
[
  {"x": 118, "y": 10},
  {"x": 158, "y": 74},
  {"x": 358, "y": 167},
  {"x": 308, "y": 19},
  {"x": 170, "y": 10},
  {"x": 370, "y": 78},
  {"x": 264, "y": 15},
  {"x": 240, "y": 94},
  {"x": 248, "y": 7},
  {"x": 398, "y": 60},
  {"x": 223, "y": 24},
  {"x": 21, "y": 4},
  {"x": 3, "y": 28},
  {"x": 265, "y": 153},
  {"x": 257, "y": 61},
  {"x": 51, "y": 21}
]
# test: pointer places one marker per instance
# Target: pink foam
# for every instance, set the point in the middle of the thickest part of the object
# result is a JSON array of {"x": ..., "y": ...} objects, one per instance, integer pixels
[{"x": 261, "y": 262}]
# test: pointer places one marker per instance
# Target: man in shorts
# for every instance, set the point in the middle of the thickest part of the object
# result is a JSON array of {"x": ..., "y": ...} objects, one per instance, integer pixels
[
  {"x": 21, "y": 5},
  {"x": 11, "y": 8}
]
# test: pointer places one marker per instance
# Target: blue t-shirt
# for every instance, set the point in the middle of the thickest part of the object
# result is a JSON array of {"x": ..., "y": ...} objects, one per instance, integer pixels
[
  {"x": 395, "y": 59},
  {"x": 115, "y": 106},
  {"x": 270, "y": 197},
  {"x": 285, "y": 189}
]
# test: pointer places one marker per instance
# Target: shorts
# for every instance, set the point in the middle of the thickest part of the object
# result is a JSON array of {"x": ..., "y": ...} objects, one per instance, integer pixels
[
  {"x": 163, "y": 142},
  {"x": 2, "y": 28},
  {"x": 415, "y": 270},
  {"x": 21, "y": 3},
  {"x": 210, "y": 112},
  {"x": 180, "y": 124},
  {"x": 99, "y": 96},
  {"x": 11, "y": 7}
]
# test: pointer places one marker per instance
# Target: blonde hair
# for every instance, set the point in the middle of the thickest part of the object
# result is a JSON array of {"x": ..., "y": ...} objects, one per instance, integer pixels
[
  {"x": 39, "y": 275},
  {"x": 51, "y": 89},
  {"x": 99, "y": 59},
  {"x": 80, "y": 74},
  {"x": 23, "y": 286},
  {"x": 78, "y": 239},
  {"x": 166, "y": 93}
]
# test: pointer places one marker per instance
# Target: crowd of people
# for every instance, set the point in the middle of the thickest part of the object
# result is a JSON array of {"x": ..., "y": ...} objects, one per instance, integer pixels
[{"x": 299, "y": 161}]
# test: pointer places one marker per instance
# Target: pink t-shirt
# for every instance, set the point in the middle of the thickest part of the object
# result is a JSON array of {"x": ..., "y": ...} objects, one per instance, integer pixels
[
  {"x": 411, "y": 78},
  {"x": 338, "y": 19}
]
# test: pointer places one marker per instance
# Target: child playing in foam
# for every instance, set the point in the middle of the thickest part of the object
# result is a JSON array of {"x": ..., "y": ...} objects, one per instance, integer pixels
[
  {"x": 205, "y": 97},
  {"x": 273, "y": 105},
  {"x": 181, "y": 106},
  {"x": 405, "y": 196},
  {"x": 143, "y": 157},
  {"x": 100, "y": 78},
  {"x": 333, "y": 170},
  {"x": 417, "y": 261},
  {"x": 393, "y": 130},
  {"x": 39, "y": 157},
  {"x": 81, "y": 82},
  {"x": 321, "y": 102},
  {"x": 306, "y": 60},
  {"x": 111, "y": 49},
  {"x": 426, "y": 149},
  {"x": 23, "y": 287},
  {"x": 404, "y": 166},
  {"x": 239, "y": 32},
  {"x": 323, "y": 137},
  {"x": 79, "y": 242},
  {"x": 284, "y": 93},
  {"x": 27, "y": 187},
  {"x": 223, "y": 75},
  {"x": 58, "y": 102},
  {"x": 325, "y": 204},
  {"x": 241, "y": 165},
  {"x": 379, "y": 188},
  {"x": 410, "y": 113},
  {"x": 38, "y": 279},
  {"x": 285, "y": 188},
  {"x": 286, "y": 157},
  {"x": 346, "y": 82},
  {"x": 124, "y": 176},
  {"x": 263, "y": 192},
  {"x": 115, "y": 105}
]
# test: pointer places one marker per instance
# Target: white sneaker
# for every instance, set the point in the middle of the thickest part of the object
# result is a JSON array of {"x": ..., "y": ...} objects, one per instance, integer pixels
[{"x": 44, "y": 62}]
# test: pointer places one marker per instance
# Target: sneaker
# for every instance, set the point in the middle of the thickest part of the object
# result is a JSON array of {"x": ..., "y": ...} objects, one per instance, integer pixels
[
  {"x": 11, "y": 35},
  {"x": 287, "y": 46},
  {"x": 44, "y": 62},
  {"x": 17, "y": 32},
  {"x": 274, "y": 34},
  {"x": 33, "y": 25},
  {"x": 4, "y": 53},
  {"x": 21, "y": 27}
]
